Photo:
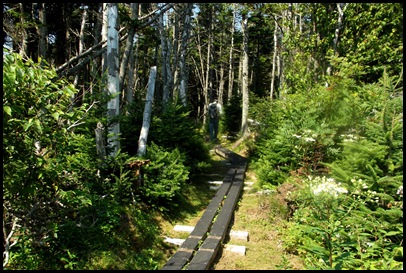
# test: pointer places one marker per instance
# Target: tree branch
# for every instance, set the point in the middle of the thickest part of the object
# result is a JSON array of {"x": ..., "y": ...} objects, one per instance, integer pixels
[{"x": 77, "y": 123}]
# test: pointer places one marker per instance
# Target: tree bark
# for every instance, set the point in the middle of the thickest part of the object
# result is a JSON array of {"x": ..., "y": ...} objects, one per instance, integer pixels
[
  {"x": 337, "y": 34},
  {"x": 129, "y": 45},
  {"x": 23, "y": 47},
  {"x": 81, "y": 48},
  {"x": 113, "y": 91},
  {"x": 275, "y": 50},
  {"x": 42, "y": 31},
  {"x": 165, "y": 61},
  {"x": 231, "y": 64},
  {"x": 245, "y": 91},
  {"x": 142, "y": 142},
  {"x": 182, "y": 59}
]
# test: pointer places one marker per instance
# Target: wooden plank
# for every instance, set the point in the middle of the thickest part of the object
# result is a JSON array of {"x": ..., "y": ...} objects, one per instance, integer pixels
[
  {"x": 207, "y": 252},
  {"x": 231, "y": 188},
  {"x": 199, "y": 233}
]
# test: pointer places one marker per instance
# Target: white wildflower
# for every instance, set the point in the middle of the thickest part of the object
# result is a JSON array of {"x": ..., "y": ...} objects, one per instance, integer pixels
[
  {"x": 309, "y": 139},
  {"x": 329, "y": 186}
]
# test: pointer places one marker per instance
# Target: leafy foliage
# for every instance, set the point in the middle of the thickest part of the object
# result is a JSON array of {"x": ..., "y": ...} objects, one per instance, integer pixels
[
  {"x": 174, "y": 129},
  {"x": 353, "y": 218},
  {"x": 44, "y": 159},
  {"x": 164, "y": 178},
  {"x": 60, "y": 202}
]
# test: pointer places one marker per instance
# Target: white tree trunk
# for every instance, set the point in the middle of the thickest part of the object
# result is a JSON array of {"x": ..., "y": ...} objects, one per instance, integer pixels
[
  {"x": 128, "y": 47},
  {"x": 113, "y": 91},
  {"x": 208, "y": 62},
  {"x": 337, "y": 34},
  {"x": 245, "y": 91},
  {"x": 81, "y": 40},
  {"x": 23, "y": 47},
  {"x": 275, "y": 49},
  {"x": 130, "y": 84},
  {"x": 182, "y": 60},
  {"x": 142, "y": 142},
  {"x": 104, "y": 35},
  {"x": 231, "y": 66},
  {"x": 240, "y": 74}
]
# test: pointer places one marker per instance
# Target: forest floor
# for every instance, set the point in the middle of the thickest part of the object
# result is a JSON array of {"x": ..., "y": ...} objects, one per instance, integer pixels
[{"x": 261, "y": 215}]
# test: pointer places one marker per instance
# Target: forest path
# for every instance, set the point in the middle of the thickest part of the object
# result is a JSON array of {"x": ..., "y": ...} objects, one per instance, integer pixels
[
  {"x": 199, "y": 249},
  {"x": 261, "y": 215},
  {"x": 257, "y": 214}
]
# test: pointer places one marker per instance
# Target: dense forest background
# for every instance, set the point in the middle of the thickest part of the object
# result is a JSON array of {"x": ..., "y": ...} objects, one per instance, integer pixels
[{"x": 104, "y": 124}]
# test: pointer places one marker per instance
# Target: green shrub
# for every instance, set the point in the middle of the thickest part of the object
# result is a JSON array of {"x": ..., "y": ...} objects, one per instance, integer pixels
[
  {"x": 174, "y": 129},
  {"x": 164, "y": 177}
]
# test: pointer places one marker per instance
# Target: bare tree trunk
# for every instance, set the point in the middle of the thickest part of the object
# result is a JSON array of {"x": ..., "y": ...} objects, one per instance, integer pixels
[
  {"x": 23, "y": 48},
  {"x": 142, "y": 142},
  {"x": 337, "y": 33},
  {"x": 208, "y": 62},
  {"x": 113, "y": 91},
  {"x": 182, "y": 60},
  {"x": 130, "y": 84},
  {"x": 82, "y": 30},
  {"x": 174, "y": 48},
  {"x": 81, "y": 44},
  {"x": 165, "y": 61},
  {"x": 104, "y": 35},
  {"x": 275, "y": 50},
  {"x": 202, "y": 75},
  {"x": 245, "y": 91},
  {"x": 42, "y": 31},
  {"x": 240, "y": 74},
  {"x": 231, "y": 65},
  {"x": 221, "y": 84},
  {"x": 129, "y": 45}
]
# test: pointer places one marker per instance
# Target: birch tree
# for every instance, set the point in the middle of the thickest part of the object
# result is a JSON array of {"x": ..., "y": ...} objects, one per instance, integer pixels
[
  {"x": 245, "y": 91},
  {"x": 113, "y": 90},
  {"x": 182, "y": 59},
  {"x": 231, "y": 60},
  {"x": 337, "y": 33},
  {"x": 274, "y": 62},
  {"x": 142, "y": 142},
  {"x": 165, "y": 60},
  {"x": 128, "y": 47},
  {"x": 208, "y": 62}
]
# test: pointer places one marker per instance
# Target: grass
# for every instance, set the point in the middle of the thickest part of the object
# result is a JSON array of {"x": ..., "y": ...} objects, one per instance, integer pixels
[{"x": 261, "y": 216}]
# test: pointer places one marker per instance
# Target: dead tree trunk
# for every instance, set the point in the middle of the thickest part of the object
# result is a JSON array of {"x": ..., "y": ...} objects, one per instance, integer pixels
[{"x": 142, "y": 142}]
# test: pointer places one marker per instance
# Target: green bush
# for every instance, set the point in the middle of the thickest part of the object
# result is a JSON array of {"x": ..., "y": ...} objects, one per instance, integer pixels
[
  {"x": 354, "y": 218},
  {"x": 46, "y": 164},
  {"x": 174, "y": 129},
  {"x": 164, "y": 177}
]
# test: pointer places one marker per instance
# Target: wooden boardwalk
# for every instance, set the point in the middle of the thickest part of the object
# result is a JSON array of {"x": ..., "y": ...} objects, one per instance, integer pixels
[{"x": 199, "y": 250}]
